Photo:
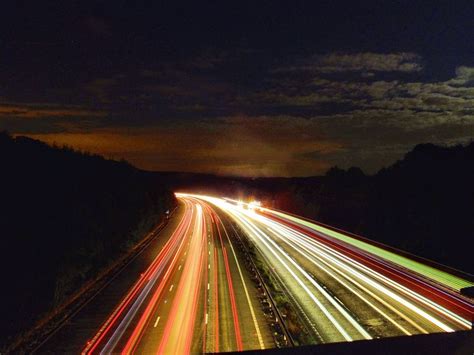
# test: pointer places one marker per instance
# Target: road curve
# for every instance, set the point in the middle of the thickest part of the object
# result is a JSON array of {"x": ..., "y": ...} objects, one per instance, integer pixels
[
  {"x": 342, "y": 291},
  {"x": 194, "y": 292}
]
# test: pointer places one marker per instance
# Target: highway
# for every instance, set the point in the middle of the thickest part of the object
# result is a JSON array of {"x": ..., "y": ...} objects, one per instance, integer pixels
[
  {"x": 195, "y": 296},
  {"x": 345, "y": 289},
  {"x": 194, "y": 289}
]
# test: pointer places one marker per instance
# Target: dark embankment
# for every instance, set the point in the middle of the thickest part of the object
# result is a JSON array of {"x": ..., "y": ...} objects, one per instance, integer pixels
[{"x": 64, "y": 217}]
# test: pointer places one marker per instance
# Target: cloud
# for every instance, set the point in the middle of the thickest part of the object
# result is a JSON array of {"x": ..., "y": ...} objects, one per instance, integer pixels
[
  {"x": 464, "y": 75},
  {"x": 364, "y": 109},
  {"x": 32, "y": 111},
  {"x": 427, "y": 103},
  {"x": 366, "y": 63},
  {"x": 440, "y": 97}
]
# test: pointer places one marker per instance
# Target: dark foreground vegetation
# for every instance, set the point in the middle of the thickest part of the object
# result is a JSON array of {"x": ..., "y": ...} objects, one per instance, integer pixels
[
  {"x": 64, "y": 217},
  {"x": 423, "y": 204}
]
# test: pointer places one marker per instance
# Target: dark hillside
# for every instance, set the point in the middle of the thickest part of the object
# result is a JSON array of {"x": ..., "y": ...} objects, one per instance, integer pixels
[{"x": 65, "y": 215}]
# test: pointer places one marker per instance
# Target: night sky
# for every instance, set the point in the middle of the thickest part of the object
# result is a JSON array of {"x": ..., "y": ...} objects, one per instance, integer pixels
[{"x": 258, "y": 88}]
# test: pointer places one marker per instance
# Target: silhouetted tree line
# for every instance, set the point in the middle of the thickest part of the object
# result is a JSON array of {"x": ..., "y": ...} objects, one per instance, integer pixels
[
  {"x": 423, "y": 204},
  {"x": 64, "y": 216}
]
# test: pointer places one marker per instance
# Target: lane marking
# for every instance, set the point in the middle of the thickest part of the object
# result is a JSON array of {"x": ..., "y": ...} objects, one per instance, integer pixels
[
  {"x": 171, "y": 288},
  {"x": 156, "y": 322},
  {"x": 332, "y": 256},
  {"x": 230, "y": 285},
  {"x": 266, "y": 242},
  {"x": 351, "y": 288},
  {"x": 252, "y": 312},
  {"x": 179, "y": 268}
]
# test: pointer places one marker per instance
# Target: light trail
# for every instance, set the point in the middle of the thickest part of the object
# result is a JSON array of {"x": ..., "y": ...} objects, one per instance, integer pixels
[
  {"x": 326, "y": 266},
  {"x": 249, "y": 301},
  {"x": 206, "y": 301},
  {"x": 440, "y": 276},
  {"x": 177, "y": 339},
  {"x": 235, "y": 317},
  {"x": 194, "y": 296},
  {"x": 363, "y": 271},
  {"x": 170, "y": 307},
  {"x": 271, "y": 248},
  {"x": 155, "y": 268},
  {"x": 138, "y": 331},
  {"x": 368, "y": 281},
  {"x": 409, "y": 280},
  {"x": 216, "y": 304}
]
